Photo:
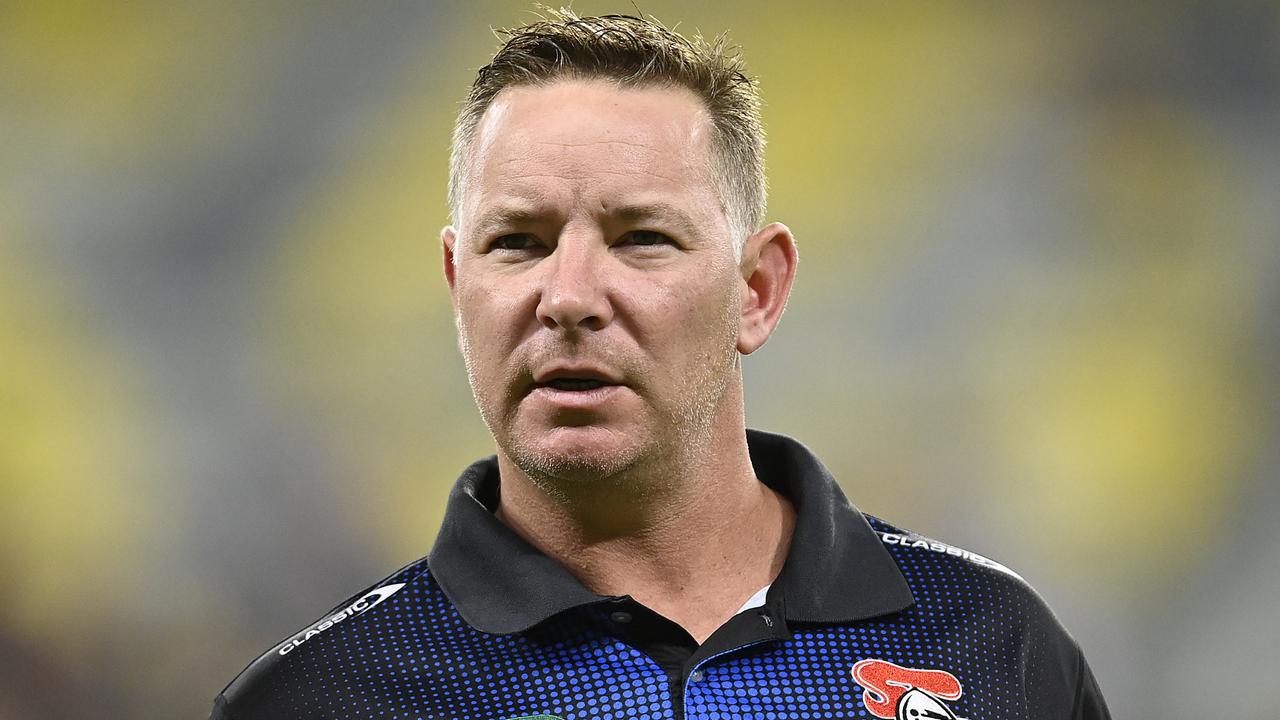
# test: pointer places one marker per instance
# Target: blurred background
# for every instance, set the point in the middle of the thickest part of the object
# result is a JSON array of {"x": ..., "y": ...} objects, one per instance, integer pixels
[{"x": 1036, "y": 316}]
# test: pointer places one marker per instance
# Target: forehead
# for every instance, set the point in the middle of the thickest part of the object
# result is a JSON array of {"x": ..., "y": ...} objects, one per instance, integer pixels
[{"x": 591, "y": 141}]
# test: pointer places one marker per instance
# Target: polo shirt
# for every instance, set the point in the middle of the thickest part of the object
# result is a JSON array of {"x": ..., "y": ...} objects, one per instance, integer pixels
[{"x": 866, "y": 620}]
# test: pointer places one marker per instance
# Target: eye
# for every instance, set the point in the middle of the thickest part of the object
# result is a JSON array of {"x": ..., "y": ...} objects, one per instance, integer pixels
[
  {"x": 514, "y": 241},
  {"x": 645, "y": 238}
]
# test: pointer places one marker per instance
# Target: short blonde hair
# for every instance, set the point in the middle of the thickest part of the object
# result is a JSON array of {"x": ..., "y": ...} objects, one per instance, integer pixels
[{"x": 632, "y": 51}]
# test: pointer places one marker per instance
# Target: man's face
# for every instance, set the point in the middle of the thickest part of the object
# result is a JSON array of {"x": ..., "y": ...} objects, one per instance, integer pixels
[{"x": 595, "y": 288}]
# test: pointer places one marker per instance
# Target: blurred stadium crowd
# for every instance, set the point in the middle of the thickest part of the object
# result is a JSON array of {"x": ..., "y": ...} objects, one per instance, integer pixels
[{"x": 1036, "y": 316}]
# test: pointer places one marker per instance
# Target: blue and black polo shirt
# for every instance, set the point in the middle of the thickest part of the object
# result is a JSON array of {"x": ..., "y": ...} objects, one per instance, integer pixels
[{"x": 866, "y": 620}]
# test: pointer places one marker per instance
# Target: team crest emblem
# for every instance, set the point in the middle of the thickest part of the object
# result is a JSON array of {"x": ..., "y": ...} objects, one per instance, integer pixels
[{"x": 894, "y": 692}]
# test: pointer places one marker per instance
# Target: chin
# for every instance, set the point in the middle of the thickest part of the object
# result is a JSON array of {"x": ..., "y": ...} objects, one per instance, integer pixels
[{"x": 575, "y": 454}]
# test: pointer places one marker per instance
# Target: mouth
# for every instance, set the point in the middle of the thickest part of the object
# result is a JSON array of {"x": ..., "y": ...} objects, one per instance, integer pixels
[
  {"x": 574, "y": 384},
  {"x": 576, "y": 388},
  {"x": 574, "y": 378}
]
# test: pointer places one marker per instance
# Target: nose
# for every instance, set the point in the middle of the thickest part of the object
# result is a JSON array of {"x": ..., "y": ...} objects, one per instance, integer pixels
[{"x": 574, "y": 292}]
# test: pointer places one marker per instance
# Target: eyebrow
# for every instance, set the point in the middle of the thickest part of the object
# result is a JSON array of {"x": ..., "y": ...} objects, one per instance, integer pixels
[
  {"x": 658, "y": 211},
  {"x": 505, "y": 216}
]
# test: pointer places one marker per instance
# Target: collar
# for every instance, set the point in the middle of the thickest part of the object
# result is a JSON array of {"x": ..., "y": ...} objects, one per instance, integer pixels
[{"x": 836, "y": 571}]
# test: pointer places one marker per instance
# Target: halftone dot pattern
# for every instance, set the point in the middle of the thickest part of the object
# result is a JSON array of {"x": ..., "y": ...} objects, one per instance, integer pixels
[
  {"x": 413, "y": 656},
  {"x": 973, "y": 621}
]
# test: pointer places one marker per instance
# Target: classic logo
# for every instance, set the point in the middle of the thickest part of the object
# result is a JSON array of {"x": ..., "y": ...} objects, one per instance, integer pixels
[
  {"x": 912, "y": 540},
  {"x": 893, "y": 692},
  {"x": 364, "y": 604}
]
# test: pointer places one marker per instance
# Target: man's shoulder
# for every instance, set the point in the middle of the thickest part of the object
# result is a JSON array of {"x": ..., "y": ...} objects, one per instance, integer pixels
[
  {"x": 913, "y": 550},
  {"x": 367, "y": 614},
  {"x": 939, "y": 573},
  {"x": 985, "y": 605}
]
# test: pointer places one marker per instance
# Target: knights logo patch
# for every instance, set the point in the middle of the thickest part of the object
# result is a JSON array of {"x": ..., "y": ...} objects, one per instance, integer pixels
[{"x": 893, "y": 692}]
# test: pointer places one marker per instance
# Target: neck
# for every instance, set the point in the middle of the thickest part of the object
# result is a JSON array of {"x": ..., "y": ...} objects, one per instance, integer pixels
[{"x": 692, "y": 536}]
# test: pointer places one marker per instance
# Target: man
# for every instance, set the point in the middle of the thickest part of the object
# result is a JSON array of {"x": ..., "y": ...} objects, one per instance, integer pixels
[{"x": 632, "y": 551}]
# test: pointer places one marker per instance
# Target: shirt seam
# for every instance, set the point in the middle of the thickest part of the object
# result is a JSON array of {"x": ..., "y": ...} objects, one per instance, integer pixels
[
  {"x": 1079, "y": 694},
  {"x": 227, "y": 712}
]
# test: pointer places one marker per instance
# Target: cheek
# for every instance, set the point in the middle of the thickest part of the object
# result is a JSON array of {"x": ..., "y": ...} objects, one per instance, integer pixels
[
  {"x": 483, "y": 325},
  {"x": 703, "y": 318}
]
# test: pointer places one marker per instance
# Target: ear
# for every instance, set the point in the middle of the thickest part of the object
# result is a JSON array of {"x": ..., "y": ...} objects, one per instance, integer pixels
[
  {"x": 768, "y": 267},
  {"x": 448, "y": 240}
]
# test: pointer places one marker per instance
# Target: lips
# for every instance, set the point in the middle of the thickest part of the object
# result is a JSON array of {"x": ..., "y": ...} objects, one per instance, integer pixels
[{"x": 574, "y": 378}]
